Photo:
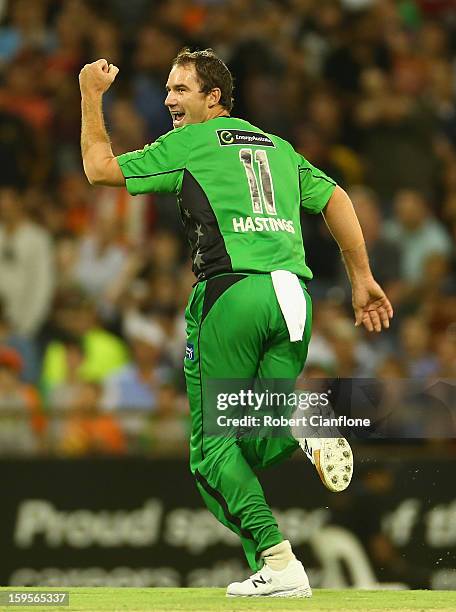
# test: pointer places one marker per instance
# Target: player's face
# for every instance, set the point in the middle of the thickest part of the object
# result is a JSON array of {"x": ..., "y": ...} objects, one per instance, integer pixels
[{"x": 186, "y": 103}]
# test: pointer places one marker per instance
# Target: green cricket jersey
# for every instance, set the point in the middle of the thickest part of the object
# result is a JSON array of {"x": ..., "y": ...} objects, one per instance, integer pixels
[{"x": 239, "y": 192}]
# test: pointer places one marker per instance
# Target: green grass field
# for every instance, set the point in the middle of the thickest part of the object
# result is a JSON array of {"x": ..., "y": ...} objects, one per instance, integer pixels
[{"x": 212, "y": 600}]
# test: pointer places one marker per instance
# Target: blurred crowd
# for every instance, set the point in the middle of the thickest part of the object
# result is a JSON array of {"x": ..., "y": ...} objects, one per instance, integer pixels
[{"x": 93, "y": 282}]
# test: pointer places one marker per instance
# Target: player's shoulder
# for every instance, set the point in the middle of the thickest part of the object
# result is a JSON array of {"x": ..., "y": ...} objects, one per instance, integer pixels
[
  {"x": 229, "y": 130},
  {"x": 281, "y": 142},
  {"x": 217, "y": 124},
  {"x": 278, "y": 142},
  {"x": 236, "y": 123},
  {"x": 233, "y": 130},
  {"x": 222, "y": 130},
  {"x": 181, "y": 133},
  {"x": 186, "y": 135}
]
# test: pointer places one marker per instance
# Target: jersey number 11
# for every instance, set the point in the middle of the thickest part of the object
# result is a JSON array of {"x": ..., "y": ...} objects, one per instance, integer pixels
[{"x": 267, "y": 190}]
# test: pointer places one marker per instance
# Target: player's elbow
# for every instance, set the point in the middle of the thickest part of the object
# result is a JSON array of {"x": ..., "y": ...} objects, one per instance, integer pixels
[
  {"x": 94, "y": 180},
  {"x": 95, "y": 173},
  {"x": 103, "y": 172},
  {"x": 92, "y": 172}
]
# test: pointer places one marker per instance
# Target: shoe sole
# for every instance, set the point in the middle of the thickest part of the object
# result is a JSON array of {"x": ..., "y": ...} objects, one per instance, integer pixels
[
  {"x": 292, "y": 593},
  {"x": 334, "y": 463}
]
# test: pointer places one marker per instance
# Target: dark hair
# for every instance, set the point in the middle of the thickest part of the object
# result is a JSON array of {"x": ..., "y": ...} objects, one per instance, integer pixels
[{"x": 211, "y": 72}]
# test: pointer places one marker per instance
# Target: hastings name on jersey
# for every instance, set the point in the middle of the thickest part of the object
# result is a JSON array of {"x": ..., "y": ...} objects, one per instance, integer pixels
[{"x": 262, "y": 224}]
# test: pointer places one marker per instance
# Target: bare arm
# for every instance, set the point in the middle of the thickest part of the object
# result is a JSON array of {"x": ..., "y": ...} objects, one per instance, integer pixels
[
  {"x": 370, "y": 304},
  {"x": 343, "y": 224},
  {"x": 100, "y": 165}
]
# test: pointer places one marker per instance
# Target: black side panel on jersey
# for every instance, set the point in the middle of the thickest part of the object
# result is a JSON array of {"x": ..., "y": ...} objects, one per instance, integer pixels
[
  {"x": 209, "y": 254},
  {"x": 215, "y": 287}
]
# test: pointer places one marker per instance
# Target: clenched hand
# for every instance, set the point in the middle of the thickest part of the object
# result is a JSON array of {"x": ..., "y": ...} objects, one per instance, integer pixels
[{"x": 97, "y": 77}]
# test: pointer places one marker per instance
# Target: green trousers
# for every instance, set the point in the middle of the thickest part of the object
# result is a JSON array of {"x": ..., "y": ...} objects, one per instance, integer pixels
[{"x": 236, "y": 330}]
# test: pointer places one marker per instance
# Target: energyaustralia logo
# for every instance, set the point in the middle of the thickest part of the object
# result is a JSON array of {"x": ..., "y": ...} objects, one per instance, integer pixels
[{"x": 243, "y": 137}]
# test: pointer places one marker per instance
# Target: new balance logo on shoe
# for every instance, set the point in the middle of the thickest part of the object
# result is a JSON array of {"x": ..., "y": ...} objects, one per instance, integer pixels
[
  {"x": 289, "y": 582},
  {"x": 258, "y": 581}
]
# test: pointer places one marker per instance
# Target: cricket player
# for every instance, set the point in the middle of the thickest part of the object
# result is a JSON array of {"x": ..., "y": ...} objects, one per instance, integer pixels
[{"x": 239, "y": 192}]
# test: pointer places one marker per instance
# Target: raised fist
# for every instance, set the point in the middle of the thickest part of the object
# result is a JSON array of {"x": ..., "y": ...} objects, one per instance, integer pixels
[{"x": 97, "y": 77}]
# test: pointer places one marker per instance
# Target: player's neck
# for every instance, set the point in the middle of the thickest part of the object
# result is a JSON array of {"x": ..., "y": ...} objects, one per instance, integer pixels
[{"x": 215, "y": 113}]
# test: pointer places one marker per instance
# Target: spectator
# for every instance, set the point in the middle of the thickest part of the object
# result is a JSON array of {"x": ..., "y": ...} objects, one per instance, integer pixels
[
  {"x": 100, "y": 261},
  {"x": 167, "y": 426},
  {"x": 26, "y": 28},
  {"x": 384, "y": 254},
  {"x": 26, "y": 265},
  {"x": 437, "y": 279},
  {"x": 74, "y": 199},
  {"x": 415, "y": 348},
  {"x": 25, "y": 347},
  {"x": 155, "y": 49},
  {"x": 355, "y": 359},
  {"x": 128, "y": 127},
  {"x": 395, "y": 125},
  {"x": 88, "y": 431},
  {"x": 16, "y": 150},
  {"x": 416, "y": 232},
  {"x": 103, "y": 352},
  {"x": 63, "y": 395},
  {"x": 445, "y": 349},
  {"x": 22, "y": 423},
  {"x": 22, "y": 95},
  {"x": 66, "y": 247},
  {"x": 136, "y": 385}
]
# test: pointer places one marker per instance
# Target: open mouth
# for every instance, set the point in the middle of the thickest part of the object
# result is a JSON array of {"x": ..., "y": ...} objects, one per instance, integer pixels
[{"x": 178, "y": 117}]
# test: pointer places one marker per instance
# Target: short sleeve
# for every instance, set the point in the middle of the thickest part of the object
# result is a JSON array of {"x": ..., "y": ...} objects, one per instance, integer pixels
[
  {"x": 315, "y": 186},
  {"x": 159, "y": 167}
]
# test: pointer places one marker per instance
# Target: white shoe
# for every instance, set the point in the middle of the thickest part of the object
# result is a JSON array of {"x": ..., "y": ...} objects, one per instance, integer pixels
[
  {"x": 333, "y": 460},
  {"x": 290, "y": 582}
]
